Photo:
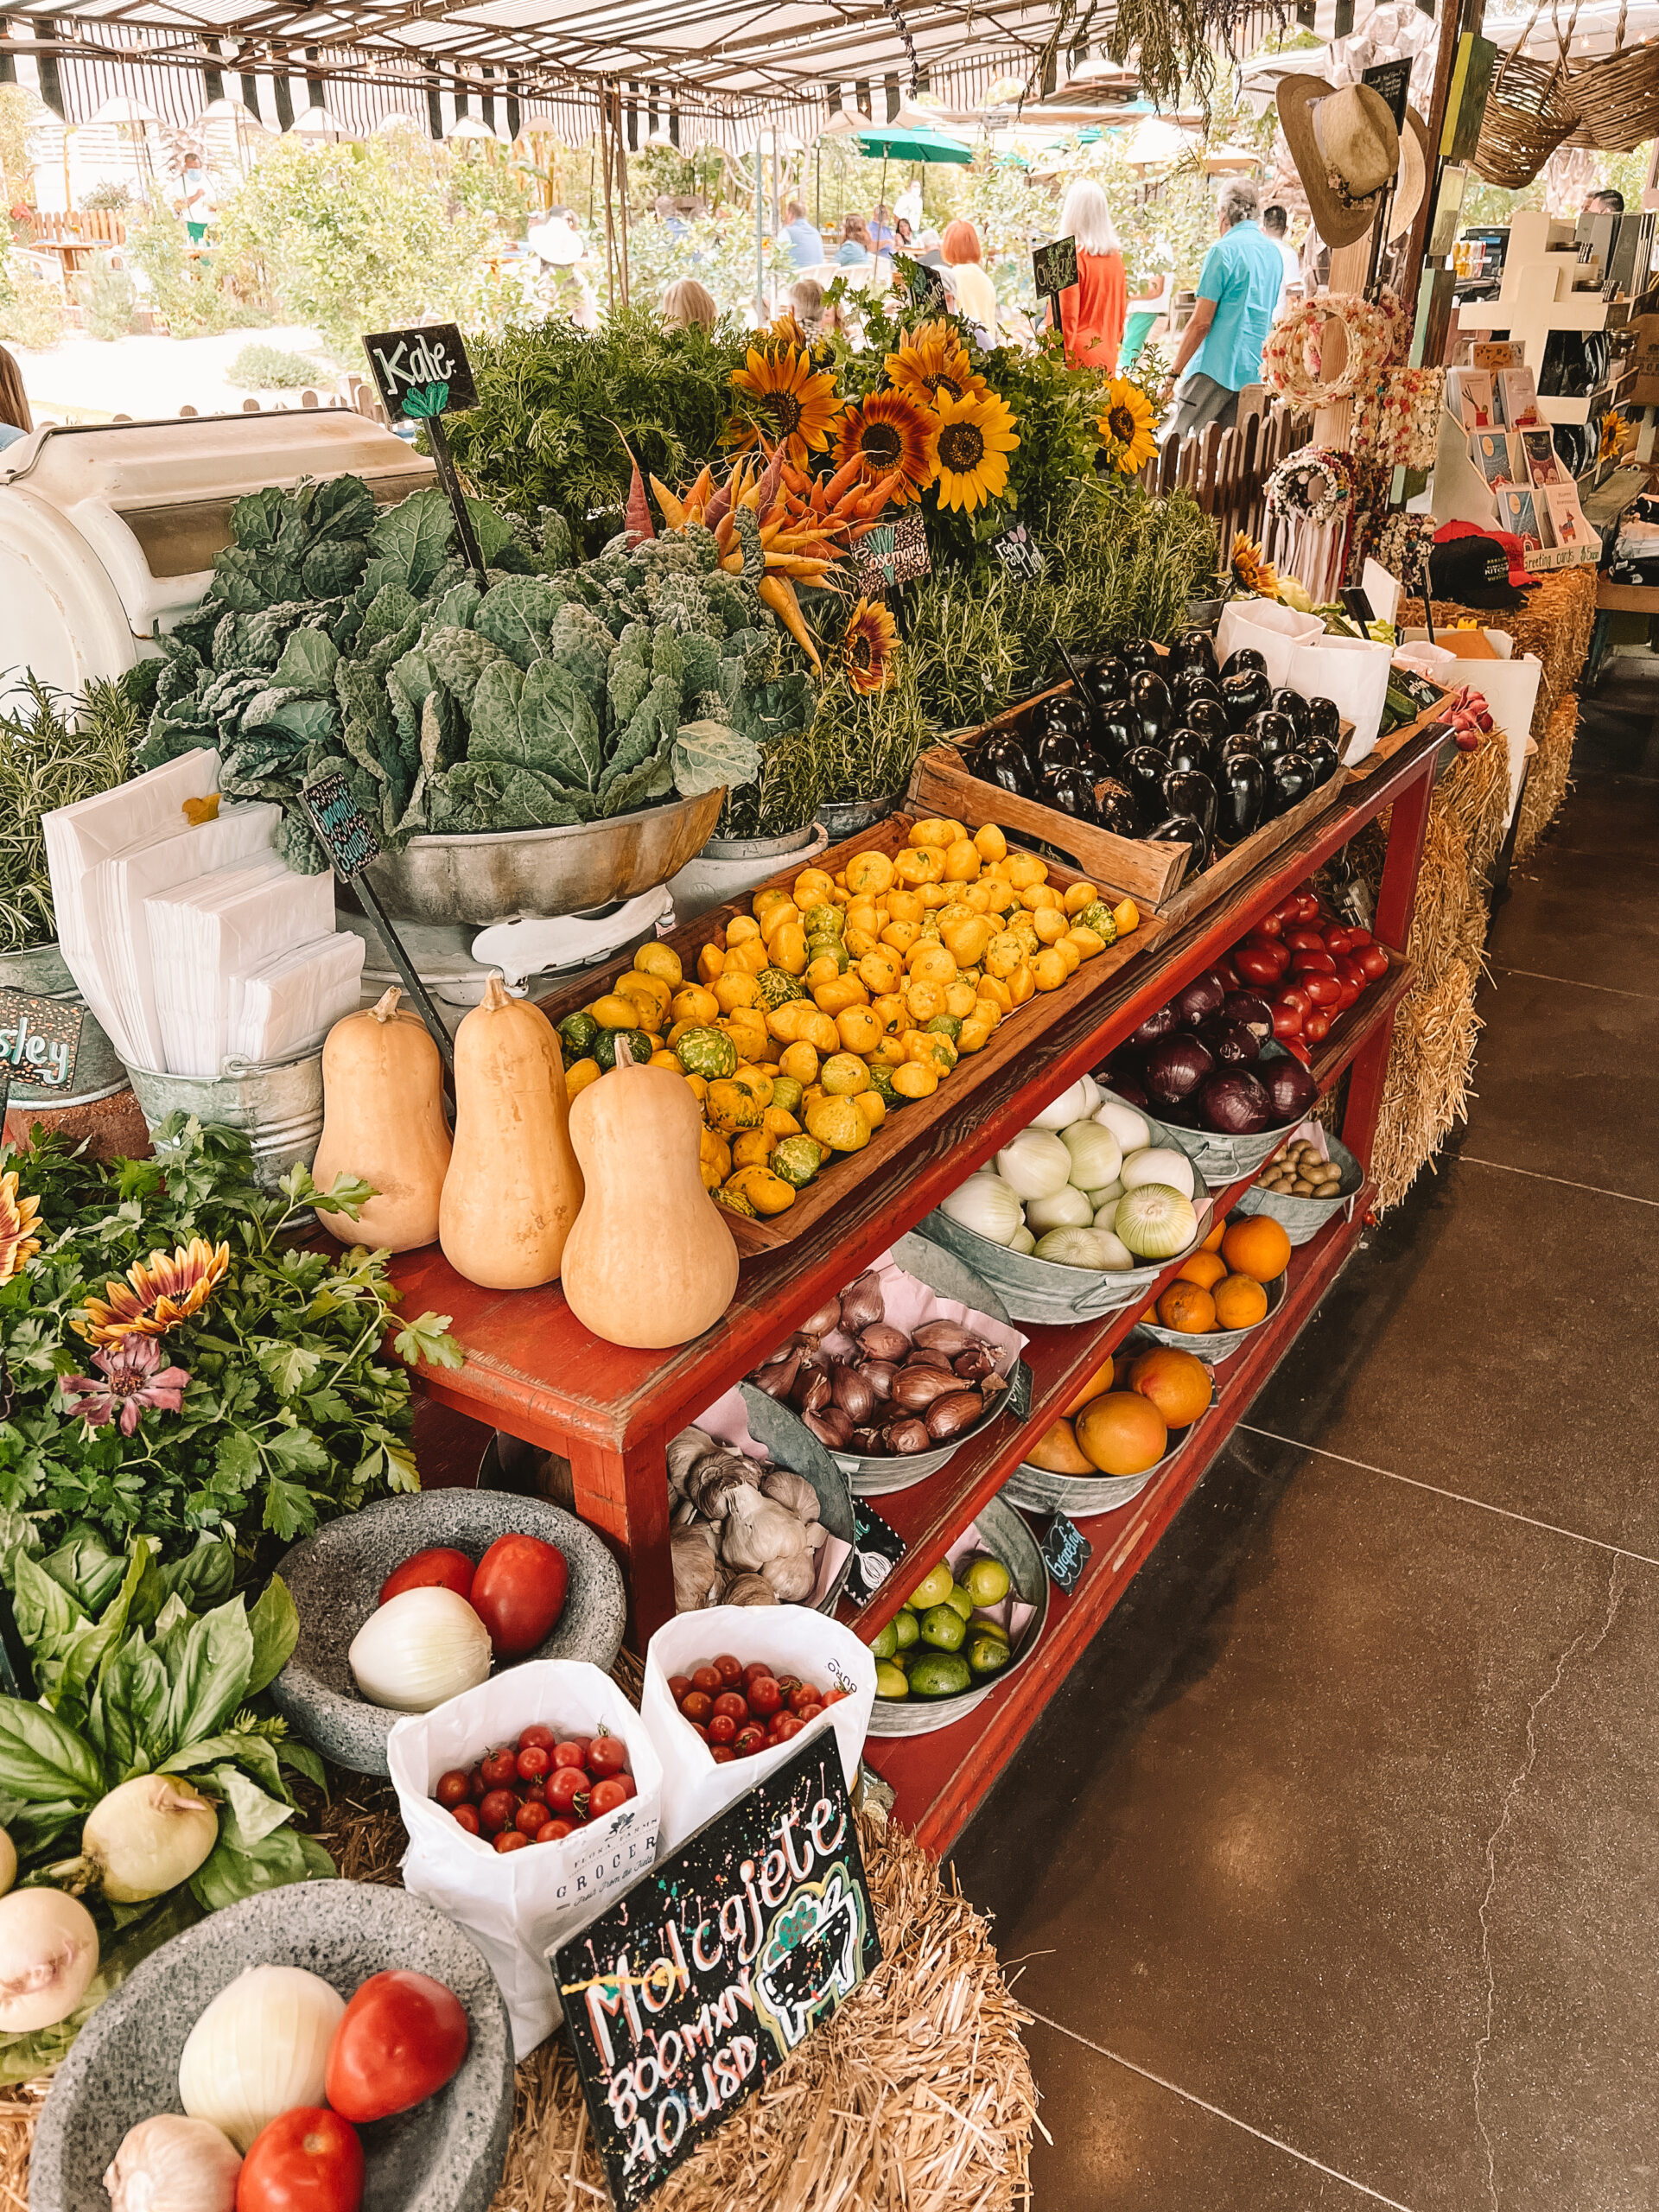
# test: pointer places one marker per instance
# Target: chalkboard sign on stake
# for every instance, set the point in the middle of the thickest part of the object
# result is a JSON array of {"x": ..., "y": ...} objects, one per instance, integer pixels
[
  {"x": 894, "y": 554},
  {"x": 1066, "y": 1552},
  {"x": 923, "y": 285},
  {"x": 877, "y": 1549},
  {"x": 1018, "y": 552},
  {"x": 711, "y": 1971},
  {"x": 40, "y": 1041},
  {"x": 1054, "y": 267},
  {"x": 420, "y": 373}
]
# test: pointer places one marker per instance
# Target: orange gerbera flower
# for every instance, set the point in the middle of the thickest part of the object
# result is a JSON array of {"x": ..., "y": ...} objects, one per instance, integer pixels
[
  {"x": 867, "y": 646},
  {"x": 890, "y": 430},
  {"x": 158, "y": 1294},
  {"x": 19, "y": 1217},
  {"x": 785, "y": 399},
  {"x": 931, "y": 364}
]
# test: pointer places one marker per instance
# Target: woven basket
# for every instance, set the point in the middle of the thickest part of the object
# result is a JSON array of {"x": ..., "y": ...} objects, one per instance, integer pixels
[
  {"x": 1616, "y": 96},
  {"x": 1529, "y": 114}
]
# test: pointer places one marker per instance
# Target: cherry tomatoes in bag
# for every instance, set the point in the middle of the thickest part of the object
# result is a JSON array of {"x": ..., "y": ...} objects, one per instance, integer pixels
[
  {"x": 519, "y": 1592},
  {"x": 306, "y": 2160}
]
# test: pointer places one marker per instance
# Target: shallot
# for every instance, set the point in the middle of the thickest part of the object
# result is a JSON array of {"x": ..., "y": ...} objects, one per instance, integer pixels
[{"x": 174, "y": 2165}]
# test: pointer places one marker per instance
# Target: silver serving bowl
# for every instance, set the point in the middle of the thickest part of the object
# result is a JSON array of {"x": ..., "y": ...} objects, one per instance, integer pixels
[{"x": 505, "y": 875}]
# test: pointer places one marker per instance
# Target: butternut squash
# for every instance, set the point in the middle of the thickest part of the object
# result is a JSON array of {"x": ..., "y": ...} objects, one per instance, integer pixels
[
  {"x": 513, "y": 1187},
  {"x": 383, "y": 1120},
  {"x": 651, "y": 1262}
]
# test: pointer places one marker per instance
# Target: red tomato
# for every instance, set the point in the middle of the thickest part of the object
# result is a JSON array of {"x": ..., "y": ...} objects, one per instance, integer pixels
[
  {"x": 1293, "y": 995},
  {"x": 722, "y": 1729},
  {"x": 1373, "y": 961},
  {"x": 614, "y": 1790},
  {"x": 1313, "y": 964},
  {"x": 722, "y": 1754},
  {"x": 749, "y": 1739},
  {"x": 1317, "y": 1027},
  {"x": 609, "y": 1754},
  {"x": 1307, "y": 906},
  {"x": 1349, "y": 993},
  {"x": 765, "y": 1694},
  {"x": 532, "y": 1816},
  {"x": 538, "y": 1789},
  {"x": 440, "y": 1569},
  {"x": 1286, "y": 1021},
  {"x": 1336, "y": 940},
  {"x": 1260, "y": 964},
  {"x": 1322, "y": 990},
  {"x": 476, "y": 1784},
  {"x": 1269, "y": 926},
  {"x": 785, "y": 1725},
  {"x": 499, "y": 1768},
  {"x": 727, "y": 1706},
  {"x": 554, "y": 1832},
  {"x": 1289, "y": 911},
  {"x": 834, "y": 1697},
  {"x": 566, "y": 1791},
  {"x": 511, "y": 1839},
  {"x": 756, "y": 1667},
  {"x": 696, "y": 1705},
  {"x": 678, "y": 1686},
  {"x": 1300, "y": 940},
  {"x": 798, "y": 1699},
  {"x": 809, "y": 1713},
  {"x": 306, "y": 2160},
  {"x": 454, "y": 1788},
  {"x": 533, "y": 1763},
  {"x": 519, "y": 1592},
  {"x": 496, "y": 1810},
  {"x": 1359, "y": 938},
  {"x": 466, "y": 1816},
  {"x": 536, "y": 1738},
  {"x": 698, "y": 1729},
  {"x": 706, "y": 1678},
  {"x": 572, "y": 1750},
  {"x": 730, "y": 1669}
]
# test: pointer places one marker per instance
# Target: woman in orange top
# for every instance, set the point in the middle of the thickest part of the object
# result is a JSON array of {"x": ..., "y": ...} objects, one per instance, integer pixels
[{"x": 1092, "y": 311}]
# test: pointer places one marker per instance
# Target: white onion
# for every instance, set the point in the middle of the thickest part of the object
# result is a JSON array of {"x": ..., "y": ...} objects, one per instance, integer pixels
[
  {"x": 1105, "y": 1217},
  {"x": 418, "y": 1649},
  {"x": 986, "y": 1204},
  {"x": 1092, "y": 1094},
  {"x": 1083, "y": 1247},
  {"x": 1035, "y": 1165},
  {"x": 1067, "y": 1209},
  {"x": 260, "y": 2049},
  {"x": 1155, "y": 1221},
  {"x": 1131, "y": 1129},
  {"x": 1096, "y": 1157},
  {"x": 1070, "y": 1106},
  {"x": 147, "y": 1836},
  {"x": 1103, "y": 1195},
  {"x": 172, "y": 2165},
  {"x": 1159, "y": 1163},
  {"x": 1022, "y": 1240},
  {"x": 49, "y": 1954}
]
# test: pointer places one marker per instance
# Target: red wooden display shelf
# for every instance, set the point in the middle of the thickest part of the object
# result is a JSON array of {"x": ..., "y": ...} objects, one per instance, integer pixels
[
  {"x": 939, "y": 1779},
  {"x": 532, "y": 1369}
]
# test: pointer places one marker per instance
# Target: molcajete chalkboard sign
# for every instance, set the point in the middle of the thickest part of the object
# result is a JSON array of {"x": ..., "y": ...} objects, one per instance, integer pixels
[{"x": 711, "y": 1971}]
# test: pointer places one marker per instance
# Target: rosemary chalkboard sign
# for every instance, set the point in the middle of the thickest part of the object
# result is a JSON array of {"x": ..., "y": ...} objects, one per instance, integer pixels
[
  {"x": 711, "y": 1970},
  {"x": 894, "y": 554}
]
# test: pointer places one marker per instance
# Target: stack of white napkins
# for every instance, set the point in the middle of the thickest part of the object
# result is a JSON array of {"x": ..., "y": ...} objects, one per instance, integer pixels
[
  {"x": 208, "y": 936},
  {"x": 292, "y": 1003}
]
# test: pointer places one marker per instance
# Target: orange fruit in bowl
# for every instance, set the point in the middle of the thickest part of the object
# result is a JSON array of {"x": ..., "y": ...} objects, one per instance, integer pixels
[
  {"x": 1204, "y": 1268},
  {"x": 1123, "y": 1434},
  {"x": 1096, "y": 1386},
  {"x": 1212, "y": 1242},
  {"x": 1178, "y": 1383},
  {"x": 1188, "y": 1307},
  {"x": 1240, "y": 1302},
  {"x": 1058, "y": 1452},
  {"x": 1256, "y": 1245}
]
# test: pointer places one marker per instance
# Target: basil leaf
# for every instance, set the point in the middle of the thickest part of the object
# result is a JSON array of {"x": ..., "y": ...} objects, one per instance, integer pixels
[
  {"x": 205, "y": 1576},
  {"x": 275, "y": 1627},
  {"x": 249, "y": 1814},
  {"x": 42, "y": 1760},
  {"x": 210, "y": 1663},
  {"x": 87, "y": 1569},
  {"x": 232, "y": 1871},
  {"x": 131, "y": 1693}
]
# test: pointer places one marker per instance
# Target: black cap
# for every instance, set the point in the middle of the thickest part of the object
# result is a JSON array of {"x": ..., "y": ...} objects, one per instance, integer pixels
[{"x": 1474, "y": 571}]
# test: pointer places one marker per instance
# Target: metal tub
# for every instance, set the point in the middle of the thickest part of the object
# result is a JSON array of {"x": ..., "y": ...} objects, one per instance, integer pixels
[
  {"x": 280, "y": 1106},
  {"x": 98, "y": 1073},
  {"x": 1214, "y": 1345},
  {"x": 1006, "y": 1536},
  {"x": 1302, "y": 1219}
]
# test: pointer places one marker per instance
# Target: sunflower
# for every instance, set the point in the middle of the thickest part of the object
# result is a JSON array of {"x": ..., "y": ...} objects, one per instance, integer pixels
[
  {"x": 975, "y": 438},
  {"x": 1251, "y": 571},
  {"x": 784, "y": 329},
  {"x": 867, "y": 645},
  {"x": 162, "y": 1292},
  {"x": 1612, "y": 443},
  {"x": 786, "y": 401},
  {"x": 891, "y": 430},
  {"x": 1127, "y": 427},
  {"x": 19, "y": 1217},
  {"x": 932, "y": 364}
]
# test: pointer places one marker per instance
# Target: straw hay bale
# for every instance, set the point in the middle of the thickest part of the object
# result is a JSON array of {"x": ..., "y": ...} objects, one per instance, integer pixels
[
  {"x": 1554, "y": 622},
  {"x": 1427, "y": 1089},
  {"x": 1546, "y": 779}
]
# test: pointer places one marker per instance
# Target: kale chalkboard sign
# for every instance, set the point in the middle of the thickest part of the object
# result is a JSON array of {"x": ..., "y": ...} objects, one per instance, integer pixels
[
  {"x": 1054, "y": 267},
  {"x": 711, "y": 1971},
  {"x": 421, "y": 372}
]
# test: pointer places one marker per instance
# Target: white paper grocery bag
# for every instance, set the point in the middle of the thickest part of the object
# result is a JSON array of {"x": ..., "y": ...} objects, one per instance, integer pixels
[
  {"x": 516, "y": 1905},
  {"x": 1353, "y": 672},
  {"x": 1273, "y": 631},
  {"x": 792, "y": 1639}
]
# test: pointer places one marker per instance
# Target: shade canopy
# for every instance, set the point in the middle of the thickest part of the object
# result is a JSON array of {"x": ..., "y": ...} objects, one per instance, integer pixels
[{"x": 911, "y": 143}]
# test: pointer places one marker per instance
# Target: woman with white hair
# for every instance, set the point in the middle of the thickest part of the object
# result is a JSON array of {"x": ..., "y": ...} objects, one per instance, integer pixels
[{"x": 1091, "y": 312}]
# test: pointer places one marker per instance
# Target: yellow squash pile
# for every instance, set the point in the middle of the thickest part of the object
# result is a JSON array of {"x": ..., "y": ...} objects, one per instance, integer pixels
[{"x": 844, "y": 997}]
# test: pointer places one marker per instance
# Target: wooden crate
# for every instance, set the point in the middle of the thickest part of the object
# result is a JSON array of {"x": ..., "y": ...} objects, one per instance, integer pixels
[{"x": 1020, "y": 1032}]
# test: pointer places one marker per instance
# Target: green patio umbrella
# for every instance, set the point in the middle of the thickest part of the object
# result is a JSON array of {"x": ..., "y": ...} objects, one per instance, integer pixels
[{"x": 908, "y": 143}]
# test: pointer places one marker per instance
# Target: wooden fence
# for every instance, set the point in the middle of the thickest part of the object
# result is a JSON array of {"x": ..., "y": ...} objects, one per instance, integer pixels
[
  {"x": 89, "y": 226},
  {"x": 1226, "y": 471}
]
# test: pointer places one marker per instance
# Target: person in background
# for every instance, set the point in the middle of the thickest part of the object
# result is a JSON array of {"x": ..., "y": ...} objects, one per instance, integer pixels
[
  {"x": 1147, "y": 308},
  {"x": 902, "y": 235},
  {"x": 881, "y": 227},
  {"x": 806, "y": 298},
  {"x": 669, "y": 216},
  {"x": 1602, "y": 201},
  {"x": 856, "y": 243},
  {"x": 1092, "y": 310},
  {"x": 688, "y": 305},
  {"x": 802, "y": 237},
  {"x": 1239, "y": 285},
  {"x": 15, "y": 421},
  {"x": 1275, "y": 225},
  {"x": 975, "y": 294}
]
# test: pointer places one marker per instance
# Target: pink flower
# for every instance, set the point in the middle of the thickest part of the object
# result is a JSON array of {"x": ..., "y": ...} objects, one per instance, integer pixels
[{"x": 133, "y": 1379}]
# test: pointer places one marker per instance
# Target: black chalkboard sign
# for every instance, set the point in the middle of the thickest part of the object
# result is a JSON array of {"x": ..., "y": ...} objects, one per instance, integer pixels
[
  {"x": 1054, "y": 267},
  {"x": 877, "y": 1549},
  {"x": 1020, "y": 554},
  {"x": 1020, "y": 1391},
  {"x": 421, "y": 372},
  {"x": 923, "y": 286},
  {"x": 347, "y": 834},
  {"x": 711, "y": 1970},
  {"x": 894, "y": 554},
  {"x": 1066, "y": 1552},
  {"x": 40, "y": 1041},
  {"x": 1392, "y": 80}
]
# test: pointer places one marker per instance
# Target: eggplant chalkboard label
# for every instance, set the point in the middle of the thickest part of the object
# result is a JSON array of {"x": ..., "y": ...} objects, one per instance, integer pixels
[
  {"x": 894, "y": 554},
  {"x": 1018, "y": 552},
  {"x": 1020, "y": 1391},
  {"x": 346, "y": 832},
  {"x": 877, "y": 1549},
  {"x": 40, "y": 1041},
  {"x": 1054, "y": 267},
  {"x": 1066, "y": 1552},
  {"x": 421, "y": 372},
  {"x": 711, "y": 1970}
]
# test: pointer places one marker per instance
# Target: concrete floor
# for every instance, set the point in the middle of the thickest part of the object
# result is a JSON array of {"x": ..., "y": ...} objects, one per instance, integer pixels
[{"x": 1332, "y": 1873}]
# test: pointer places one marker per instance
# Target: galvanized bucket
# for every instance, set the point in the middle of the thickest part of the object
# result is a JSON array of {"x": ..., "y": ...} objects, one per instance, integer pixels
[
  {"x": 280, "y": 1106},
  {"x": 97, "y": 1073},
  {"x": 1223, "y": 1160},
  {"x": 1217, "y": 1345},
  {"x": 1040, "y": 1489},
  {"x": 1042, "y": 1290},
  {"x": 846, "y": 817},
  {"x": 791, "y": 1444},
  {"x": 1302, "y": 1219},
  {"x": 1005, "y": 1537}
]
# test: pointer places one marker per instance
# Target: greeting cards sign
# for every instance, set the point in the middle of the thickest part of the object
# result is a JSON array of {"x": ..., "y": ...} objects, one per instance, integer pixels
[{"x": 713, "y": 1969}]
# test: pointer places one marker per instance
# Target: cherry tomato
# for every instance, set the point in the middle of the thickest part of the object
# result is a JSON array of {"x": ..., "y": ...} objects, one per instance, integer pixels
[
  {"x": 533, "y": 1763},
  {"x": 1286, "y": 1021},
  {"x": 722, "y": 1729},
  {"x": 572, "y": 1750},
  {"x": 532, "y": 1816},
  {"x": 749, "y": 1739},
  {"x": 1317, "y": 1027},
  {"x": 1307, "y": 906},
  {"x": 519, "y": 1592},
  {"x": 554, "y": 1832},
  {"x": 536, "y": 1738},
  {"x": 809, "y": 1713},
  {"x": 1269, "y": 926},
  {"x": 1313, "y": 964},
  {"x": 454, "y": 1788},
  {"x": 614, "y": 1790},
  {"x": 1358, "y": 939},
  {"x": 499, "y": 1768},
  {"x": 1349, "y": 993},
  {"x": 511, "y": 1839},
  {"x": 1296, "y": 1046},
  {"x": 766, "y": 1694},
  {"x": 1293, "y": 995},
  {"x": 785, "y": 1725},
  {"x": 609, "y": 1754},
  {"x": 1336, "y": 940},
  {"x": 678, "y": 1686},
  {"x": 804, "y": 1696},
  {"x": 496, "y": 1810},
  {"x": 536, "y": 1790},
  {"x": 729, "y": 1670},
  {"x": 834, "y": 1697},
  {"x": 466, "y": 1816},
  {"x": 756, "y": 1667},
  {"x": 787, "y": 1682},
  {"x": 306, "y": 2160},
  {"x": 476, "y": 1783},
  {"x": 566, "y": 1791},
  {"x": 1322, "y": 990},
  {"x": 1300, "y": 940},
  {"x": 1373, "y": 963},
  {"x": 706, "y": 1678},
  {"x": 440, "y": 1569},
  {"x": 697, "y": 1705},
  {"x": 1289, "y": 911},
  {"x": 697, "y": 1729},
  {"x": 722, "y": 1754},
  {"x": 731, "y": 1706}
]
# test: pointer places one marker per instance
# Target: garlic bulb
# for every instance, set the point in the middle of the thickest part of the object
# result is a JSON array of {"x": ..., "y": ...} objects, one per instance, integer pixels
[
  {"x": 418, "y": 1649},
  {"x": 816, "y": 1534},
  {"x": 695, "y": 1568},
  {"x": 792, "y": 1491},
  {"x": 260, "y": 2049},
  {"x": 170, "y": 2165},
  {"x": 715, "y": 1482},
  {"x": 754, "y": 1533},
  {"x": 749, "y": 1590},
  {"x": 683, "y": 1453},
  {"x": 792, "y": 1580}
]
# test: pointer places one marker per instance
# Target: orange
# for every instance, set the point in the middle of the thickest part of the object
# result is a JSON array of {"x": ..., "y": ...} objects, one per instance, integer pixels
[
  {"x": 1256, "y": 1245},
  {"x": 1212, "y": 1242},
  {"x": 1058, "y": 1452},
  {"x": 1240, "y": 1302},
  {"x": 1204, "y": 1268},
  {"x": 1184, "y": 1306},
  {"x": 1096, "y": 1386},
  {"x": 1123, "y": 1434},
  {"x": 1178, "y": 1383}
]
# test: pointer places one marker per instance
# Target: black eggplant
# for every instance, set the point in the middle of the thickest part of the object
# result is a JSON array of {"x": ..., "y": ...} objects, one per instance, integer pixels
[
  {"x": 1061, "y": 748},
  {"x": 1144, "y": 769},
  {"x": 1287, "y": 701},
  {"x": 1187, "y": 750},
  {"x": 1244, "y": 693},
  {"x": 1115, "y": 734},
  {"x": 1323, "y": 720},
  {"x": 1002, "y": 760},
  {"x": 1240, "y": 740},
  {"x": 1152, "y": 724},
  {"x": 1140, "y": 653},
  {"x": 1323, "y": 755},
  {"x": 1242, "y": 800},
  {"x": 1209, "y": 718},
  {"x": 1274, "y": 734},
  {"x": 1182, "y": 830},
  {"x": 1189, "y": 684},
  {"x": 1067, "y": 713},
  {"x": 1194, "y": 649},
  {"x": 1148, "y": 688},
  {"x": 1246, "y": 657},
  {"x": 1189, "y": 791},
  {"x": 1107, "y": 681},
  {"x": 1115, "y": 808},
  {"x": 1069, "y": 791},
  {"x": 1290, "y": 778}
]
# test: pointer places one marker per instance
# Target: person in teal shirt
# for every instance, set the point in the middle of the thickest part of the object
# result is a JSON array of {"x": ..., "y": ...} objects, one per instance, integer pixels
[{"x": 1239, "y": 285}]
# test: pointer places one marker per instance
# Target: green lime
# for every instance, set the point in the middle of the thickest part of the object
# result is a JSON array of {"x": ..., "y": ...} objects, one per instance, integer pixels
[
  {"x": 887, "y": 1642},
  {"x": 907, "y": 1628},
  {"x": 957, "y": 1598},
  {"x": 943, "y": 1627},
  {"x": 940, "y": 1674},
  {"x": 890, "y": 1682},
  {"x": 987, "y": 1582},
  {"x": 988, "y": 1654},
  {"x": 930, "y": 1590}
]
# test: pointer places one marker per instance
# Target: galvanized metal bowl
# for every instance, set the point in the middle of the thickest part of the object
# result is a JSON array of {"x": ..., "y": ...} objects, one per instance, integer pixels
[
  {"x": 1005, "y": 1537},
  {"x": 505, "y": 875},
  {"x": 1222, "y": 1160},
  {"x": 1042, "y": 1290},
  {"x": 1040, "y": 1489},
  {"x": 1302, "y": 1219},
  {"x": 792, "y": 1444},
  {"x": 1216, "y": 1344}
]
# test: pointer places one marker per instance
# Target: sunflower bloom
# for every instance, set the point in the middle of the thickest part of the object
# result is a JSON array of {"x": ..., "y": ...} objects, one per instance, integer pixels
[
  {"x": 1252, "y": 572},
  {"x": 975, "y": 438},
  {"x": 158, "y": 1294},
  {"x": 1128, "y": 427},
  {"x": 787, "y": 401},
  {"x": 19, "y": 1218},
  {"x": 867, "y": 646},
  {"x": 933, "y": 365},
  {"x": 890, "y": 430},
  {"x": 784, "y": 329}
]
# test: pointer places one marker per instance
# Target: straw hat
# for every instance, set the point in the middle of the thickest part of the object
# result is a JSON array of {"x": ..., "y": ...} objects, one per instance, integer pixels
[
  {"x": 1412, "y": 185},
  {"x": 557, "y": 243},
  {"x": 1346, "y": 150}
]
